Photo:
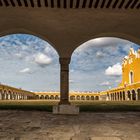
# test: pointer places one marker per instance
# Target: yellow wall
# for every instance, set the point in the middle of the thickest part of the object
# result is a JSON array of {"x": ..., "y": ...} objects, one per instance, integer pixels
[{"x": 131, "y": 63}]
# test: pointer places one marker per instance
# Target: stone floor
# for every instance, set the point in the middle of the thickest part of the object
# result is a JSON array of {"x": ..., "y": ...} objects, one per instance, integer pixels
[{"x": 36, "y": 125}]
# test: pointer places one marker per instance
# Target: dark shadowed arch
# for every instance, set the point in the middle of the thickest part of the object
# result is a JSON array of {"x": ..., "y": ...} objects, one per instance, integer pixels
[
  {"x": 92, "y": 97},
  {"x": 138, "y": 91},
  {"x": 47, "y": 97},
  {"x": 121, "y": 95},
  {"x": 87, "y": 98},
  {"x": 42, "y": 97},
  {"x": 124, "y": 95},
  {"x": 96, "y": 97},
  {"x": 129, "y": 95},
  {"x": 133, "y": 95},
  {"x": 77, "y": 97},
  {"x": 56, "y": 97},
  {"x": 72, "y": 97},
  {"x": 82, "y": 97}
]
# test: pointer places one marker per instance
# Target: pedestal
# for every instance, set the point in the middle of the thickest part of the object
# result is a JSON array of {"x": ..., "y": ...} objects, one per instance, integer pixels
[{"x": 66, "y": 109}]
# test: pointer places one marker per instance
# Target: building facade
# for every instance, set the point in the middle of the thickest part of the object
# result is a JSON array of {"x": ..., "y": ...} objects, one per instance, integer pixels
[{"x": 129, "y": 88}]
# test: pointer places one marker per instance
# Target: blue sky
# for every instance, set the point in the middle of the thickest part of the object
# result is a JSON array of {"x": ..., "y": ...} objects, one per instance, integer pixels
[{"x": 30, "y": 63}]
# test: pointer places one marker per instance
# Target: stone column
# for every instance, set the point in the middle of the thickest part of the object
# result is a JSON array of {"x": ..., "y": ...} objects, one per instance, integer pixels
[
  {"x": 64, "y": 106},
  {"x": 64, "y": 80}
]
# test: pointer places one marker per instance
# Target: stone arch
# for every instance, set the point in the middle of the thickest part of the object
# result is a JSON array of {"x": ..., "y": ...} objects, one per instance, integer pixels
[
  {"x": 17, "y": 95},
  {"x": 42, "y": 97},
  {"x": 37, "y": 97},
  {"x": 52, "y": 97},
  {"x": 0, "y": 94},
  {"x": 82, "y": 97},
  {"x": 118, "y": 96},
  {"x": 10, "y": 95},
  {"x": 138, "y": 91},
  {"x": 56, "y": 97},
  {"x": 119, "y": 35},
  {"x": 96, "y": 97},
  {"x": 29, "y": 32},
  {"x": 5, "y": 95},
  {"x": 129, "y": 95},
  {"x": 133, "y": 95},
  {"x": 111, "y": 96},
  {"x": 108, "y": 96},
  {"x": 72, "y": 97},
  {"x": 77, "y": 97},
  {"x": 92, "y": 97},
  {"x": 47, "y": 97},
  {"x": 115, "y": 96},
  {"x": 124, "y": 95},
  {"x": 121, "y": 96},
  {"x": 87, "y": 98}
]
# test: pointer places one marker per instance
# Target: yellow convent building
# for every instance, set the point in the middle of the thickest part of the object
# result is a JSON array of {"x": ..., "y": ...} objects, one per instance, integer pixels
[
  {"x": 129, "y": 88},
  {"x": 131, "y": 68}
]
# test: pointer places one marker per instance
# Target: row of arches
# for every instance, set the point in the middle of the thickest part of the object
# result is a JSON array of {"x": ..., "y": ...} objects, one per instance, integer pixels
[
  {"x": 124, "y": 95},
  {"x": 71, "y": 97},
  {"x": 14, "y": 95}
]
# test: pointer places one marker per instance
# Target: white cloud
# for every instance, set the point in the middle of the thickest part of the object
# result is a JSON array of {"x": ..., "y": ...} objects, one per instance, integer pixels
[
  {"x": 107, "y": 83},
  {"x": 26, "y": 70},
  {"x": 115, "y": 70},
  {"x": 42, "y": 59},
  {"x": 19, "y": 55},
  {"x": 71, "y": 81},
  {"x": 99, "y": 54}
]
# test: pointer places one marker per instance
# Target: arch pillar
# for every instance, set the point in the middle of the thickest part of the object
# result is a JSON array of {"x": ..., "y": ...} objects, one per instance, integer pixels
[
  {"x": 136, "y": 95},
  {"x": 64, "y": 81},
  {"x": 131, "y": 97},
  {"x": 64, "y": 106}
]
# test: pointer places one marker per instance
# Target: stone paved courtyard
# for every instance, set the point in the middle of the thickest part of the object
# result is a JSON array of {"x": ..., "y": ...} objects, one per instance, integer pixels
[{"x": 37, "y": 125}]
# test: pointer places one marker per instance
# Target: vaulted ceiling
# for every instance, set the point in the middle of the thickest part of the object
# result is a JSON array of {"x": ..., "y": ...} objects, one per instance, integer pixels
[{"x": 66, "y": 24}]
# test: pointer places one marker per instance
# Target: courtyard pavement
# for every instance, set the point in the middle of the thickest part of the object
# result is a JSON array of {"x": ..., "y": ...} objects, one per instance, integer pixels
[{"x": 37, "y": 125}]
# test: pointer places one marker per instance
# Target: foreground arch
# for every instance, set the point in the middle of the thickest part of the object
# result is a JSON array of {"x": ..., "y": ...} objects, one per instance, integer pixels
[{"x": 66, "y": 34}]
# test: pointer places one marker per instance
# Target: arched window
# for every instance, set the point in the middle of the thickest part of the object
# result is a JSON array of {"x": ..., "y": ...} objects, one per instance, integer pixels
[{"x": 131, "y": 77}]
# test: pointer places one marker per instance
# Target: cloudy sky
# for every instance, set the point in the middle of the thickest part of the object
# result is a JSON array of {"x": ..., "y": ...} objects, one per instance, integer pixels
[{"x": 30, "y": 63}]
